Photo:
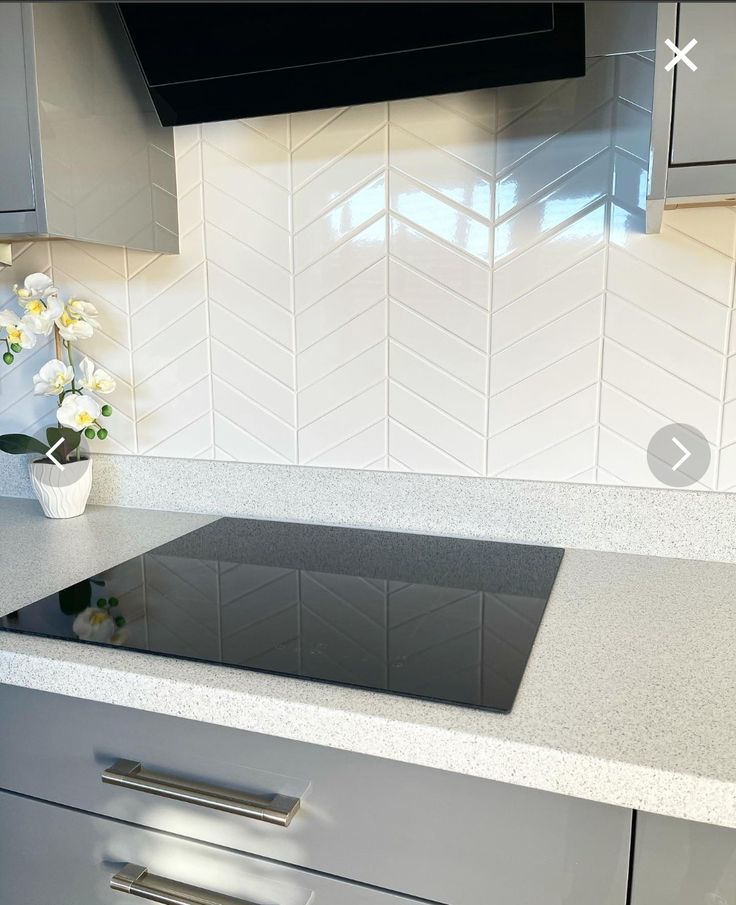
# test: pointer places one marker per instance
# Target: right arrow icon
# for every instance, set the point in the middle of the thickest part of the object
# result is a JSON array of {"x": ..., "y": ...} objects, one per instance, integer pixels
[{"x": 685, "y": 454}]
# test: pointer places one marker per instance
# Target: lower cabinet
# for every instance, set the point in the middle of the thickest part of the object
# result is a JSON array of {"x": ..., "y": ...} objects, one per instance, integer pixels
[
  {"x": 431, "y": 834},
  {"x": 678, "y": 862},
  {"x": 50, "y": 855}
]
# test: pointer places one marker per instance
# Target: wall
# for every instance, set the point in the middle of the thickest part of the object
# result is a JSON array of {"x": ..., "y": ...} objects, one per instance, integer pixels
[{"x": 453, "y": 285}]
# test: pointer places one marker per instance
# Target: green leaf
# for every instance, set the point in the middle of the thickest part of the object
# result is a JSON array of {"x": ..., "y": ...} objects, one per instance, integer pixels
[
  {"x": 20, "y": 444},
  {"x": 70, "y": 437},
  {"x": 77, "y": 598}
]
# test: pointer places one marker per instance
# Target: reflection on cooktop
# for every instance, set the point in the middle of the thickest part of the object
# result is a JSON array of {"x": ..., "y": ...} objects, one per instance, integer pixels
[{"x": 440, "y": 618}]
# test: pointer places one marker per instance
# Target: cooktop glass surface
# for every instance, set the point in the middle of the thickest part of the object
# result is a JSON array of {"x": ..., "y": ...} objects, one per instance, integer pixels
[{"x": 432, "y": 617}]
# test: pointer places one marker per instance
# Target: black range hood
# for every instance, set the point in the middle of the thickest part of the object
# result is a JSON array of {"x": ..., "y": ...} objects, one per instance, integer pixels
[{"x": 205, "y": 62}]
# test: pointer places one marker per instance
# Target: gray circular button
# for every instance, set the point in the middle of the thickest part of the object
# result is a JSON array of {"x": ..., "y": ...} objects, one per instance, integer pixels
[{"x": 678, "y": 455}]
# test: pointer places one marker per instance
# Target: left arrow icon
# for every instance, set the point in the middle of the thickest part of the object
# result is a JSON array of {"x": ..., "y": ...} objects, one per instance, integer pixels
[{"x": 49, "y": 456}]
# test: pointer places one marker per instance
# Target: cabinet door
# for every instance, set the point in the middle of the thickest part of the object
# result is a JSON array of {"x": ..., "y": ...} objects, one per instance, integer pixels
[
  {"x": 16, "y": 174},
  {"x": 704, "y": 118},
  {"x": 678, "y": 862}
]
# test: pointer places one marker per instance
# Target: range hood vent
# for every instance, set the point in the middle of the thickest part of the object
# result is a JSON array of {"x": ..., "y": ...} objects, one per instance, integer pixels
[{"x": 205, "y": 62}]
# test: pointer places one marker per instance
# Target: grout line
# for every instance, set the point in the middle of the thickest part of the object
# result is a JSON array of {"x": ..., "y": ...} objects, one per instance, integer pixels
[
  {"x": 129, "y": 319},
  {"x": 724, "y": 370},
  {"x": 491, "y": 272},
  {"x": 292, "y": 292},
  {"x": 387, "y": 287},
  {"x": 606, "y": 264},
  {"x": 208, "y": 320}
]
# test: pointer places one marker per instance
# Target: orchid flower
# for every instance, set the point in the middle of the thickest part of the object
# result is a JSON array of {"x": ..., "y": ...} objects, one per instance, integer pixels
[
  {"x": 21, "y": 334},
  {"x": 78, "y": 412},
  {"x": 52, "y": 378},
  {"x": 73, "y": 329},
  {"x": 42, "y": 313},
  {"x": 40, "y": 317},
  {"x": 18, "y": 330},
  {"x": 96, "y": 379},
  {"x": 83, "y": 311},
  {"x": 34, "y": 286}
]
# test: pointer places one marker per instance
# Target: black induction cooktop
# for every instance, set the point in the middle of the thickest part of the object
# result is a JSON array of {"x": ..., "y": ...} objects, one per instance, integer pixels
[{"x": 431, "y": 617}]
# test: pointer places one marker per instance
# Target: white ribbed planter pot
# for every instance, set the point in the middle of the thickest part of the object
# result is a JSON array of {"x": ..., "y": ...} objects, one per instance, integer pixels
[{"x": 62, "y": 494}]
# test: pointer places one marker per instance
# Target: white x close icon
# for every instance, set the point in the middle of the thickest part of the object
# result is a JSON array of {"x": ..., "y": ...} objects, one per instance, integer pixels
[{"x": 680, "y": 54}]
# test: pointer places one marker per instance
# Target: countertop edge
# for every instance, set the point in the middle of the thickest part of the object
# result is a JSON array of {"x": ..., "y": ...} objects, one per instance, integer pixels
[{"x": 616, "y": 783}]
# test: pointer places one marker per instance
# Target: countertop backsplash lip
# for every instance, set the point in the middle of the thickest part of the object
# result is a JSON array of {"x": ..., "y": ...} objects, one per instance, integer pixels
[{"x": 684, "y": 524}]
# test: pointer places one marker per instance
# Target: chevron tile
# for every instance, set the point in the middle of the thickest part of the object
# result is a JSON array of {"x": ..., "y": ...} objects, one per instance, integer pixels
[
  {"x": 457, "y": 284},
  {"x": 440, "y": 195},
  {"x": 339, "y": 249},
  {"x": 246, "y": 203}
]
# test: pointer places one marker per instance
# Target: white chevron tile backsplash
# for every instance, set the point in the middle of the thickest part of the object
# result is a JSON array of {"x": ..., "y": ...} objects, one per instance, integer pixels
[{"x": 458, "y": 284}]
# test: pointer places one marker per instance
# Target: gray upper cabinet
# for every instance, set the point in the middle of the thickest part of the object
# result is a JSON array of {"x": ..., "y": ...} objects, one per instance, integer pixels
[
  {"x": 693, "y": 148},
  {"x": 704, "y": 116},
  {"x": 82, "y": 154},
  {"x": 16, "y": 184}
]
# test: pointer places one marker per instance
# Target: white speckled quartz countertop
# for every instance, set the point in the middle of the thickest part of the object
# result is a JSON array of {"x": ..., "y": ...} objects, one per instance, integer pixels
[{"x": 629, "y": 696}]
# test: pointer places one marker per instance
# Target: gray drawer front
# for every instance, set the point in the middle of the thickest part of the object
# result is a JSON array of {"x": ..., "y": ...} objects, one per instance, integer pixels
[
  {"x": 427, "y": 833},
  {"x": 678, "y": 862},
  {"x": 52, "y": 856}
]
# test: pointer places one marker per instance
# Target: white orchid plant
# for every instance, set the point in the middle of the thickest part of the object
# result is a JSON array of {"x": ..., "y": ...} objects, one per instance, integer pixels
[{"x": 43, "y": 312}]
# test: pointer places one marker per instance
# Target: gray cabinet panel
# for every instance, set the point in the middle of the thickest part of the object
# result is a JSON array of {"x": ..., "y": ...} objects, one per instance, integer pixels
[
  {"x": 678, "y": 862},
  {"x": 704, "y": 121},
  {"x": 16, "y": 173},
  {"x": 428, "y": 833},
  {"x": 61, "y": 857}
]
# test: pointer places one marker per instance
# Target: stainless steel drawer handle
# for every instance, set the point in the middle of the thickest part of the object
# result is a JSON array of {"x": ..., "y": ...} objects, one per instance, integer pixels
[
  {"x": 136, "y": 881},
  {"x": 278, "y": 809}
]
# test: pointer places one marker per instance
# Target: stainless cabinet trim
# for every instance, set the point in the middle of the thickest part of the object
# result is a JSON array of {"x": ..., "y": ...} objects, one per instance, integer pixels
[
  {"x": 136, "y": 881},
  {"x": 276, "y": 809}
]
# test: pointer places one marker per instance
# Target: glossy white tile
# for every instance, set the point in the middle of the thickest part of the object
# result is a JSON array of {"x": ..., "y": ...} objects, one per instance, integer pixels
[
  {"x": 333, "y": 227},
  {"x": 334, "y": 140},
  {"x": 338, "y": 307},
  {"x": 440, "y": 263},
  {"x": 340, "y": 265},
  {"x": 340, "y": 179},
  {"x": 245, "y": 185},
  {"x": 457, "y": 284},
  {"x": 420, "y": 207},
  {"x": 434, "y": 343},
  {"x": 441, "y": 172}
]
